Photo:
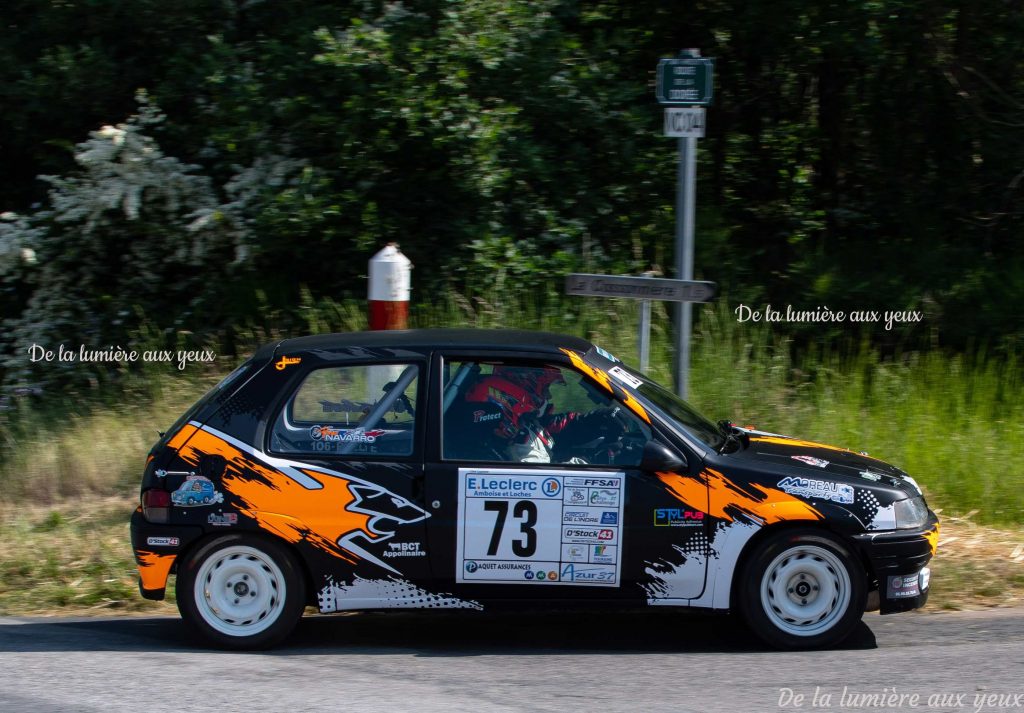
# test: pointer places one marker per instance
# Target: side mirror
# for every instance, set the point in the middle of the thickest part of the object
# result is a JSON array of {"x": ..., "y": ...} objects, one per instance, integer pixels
[{"x": 659, "y": 457}]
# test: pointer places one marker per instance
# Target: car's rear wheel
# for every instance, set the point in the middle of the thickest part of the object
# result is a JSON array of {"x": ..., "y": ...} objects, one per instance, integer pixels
[
  {"x": 802, "y": 589},
  {"x": 241, "y": 592}
]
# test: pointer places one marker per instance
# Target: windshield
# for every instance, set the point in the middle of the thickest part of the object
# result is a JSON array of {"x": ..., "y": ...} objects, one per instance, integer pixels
[
  {"x": 690, "y": 418},
  {"x": 687, "y": 415}
]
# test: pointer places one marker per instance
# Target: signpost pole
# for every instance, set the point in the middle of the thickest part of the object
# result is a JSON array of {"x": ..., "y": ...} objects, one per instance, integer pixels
[{"x": 686, "y": 190}]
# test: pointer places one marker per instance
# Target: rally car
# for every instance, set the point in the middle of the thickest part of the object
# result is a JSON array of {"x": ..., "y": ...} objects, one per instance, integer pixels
[{"x": 477, "y": 469}]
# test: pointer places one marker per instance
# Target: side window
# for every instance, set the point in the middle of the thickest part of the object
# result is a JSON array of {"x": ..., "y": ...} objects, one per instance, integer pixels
[
  {"x": 356, "y": 410},
  {"x": 528, "y": 412}
]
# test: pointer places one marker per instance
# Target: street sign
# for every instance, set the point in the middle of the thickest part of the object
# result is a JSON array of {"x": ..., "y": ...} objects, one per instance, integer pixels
[
  {"x": 685, "y": 80},
  {"x": 684, "y": 121},
  {"x": 639, "y": 288}
]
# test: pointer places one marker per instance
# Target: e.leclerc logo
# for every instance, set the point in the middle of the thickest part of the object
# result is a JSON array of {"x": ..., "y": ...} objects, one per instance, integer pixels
[{"x": 551, "y": 487}]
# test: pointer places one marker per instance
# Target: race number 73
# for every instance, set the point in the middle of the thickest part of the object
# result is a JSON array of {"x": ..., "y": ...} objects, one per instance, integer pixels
[{"x": 524, "y": 514}]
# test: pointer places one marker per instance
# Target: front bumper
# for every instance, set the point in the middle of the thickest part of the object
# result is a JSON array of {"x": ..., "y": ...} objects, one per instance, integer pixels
[
  {"x": 899, "y": 563},
  {"x": 156, "y": 549}
]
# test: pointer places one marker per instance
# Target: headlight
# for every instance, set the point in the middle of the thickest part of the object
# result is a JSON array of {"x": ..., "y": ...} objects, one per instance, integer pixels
[{"x": 910, "y": 513}]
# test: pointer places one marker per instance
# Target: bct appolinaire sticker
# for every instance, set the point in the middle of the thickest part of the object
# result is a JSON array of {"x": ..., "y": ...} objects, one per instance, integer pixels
[{"x": 539, "y": 528}]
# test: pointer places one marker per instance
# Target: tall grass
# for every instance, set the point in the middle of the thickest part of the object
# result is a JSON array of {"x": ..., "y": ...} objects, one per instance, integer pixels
[{"x": 956, "y": 423}]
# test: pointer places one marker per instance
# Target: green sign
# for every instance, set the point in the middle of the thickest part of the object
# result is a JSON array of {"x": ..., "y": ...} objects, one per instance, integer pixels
[{"x": 685, "y": 81}]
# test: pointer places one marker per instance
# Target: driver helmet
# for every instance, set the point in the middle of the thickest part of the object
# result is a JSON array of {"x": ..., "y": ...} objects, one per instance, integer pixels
[{"x": 516, "y": 391}]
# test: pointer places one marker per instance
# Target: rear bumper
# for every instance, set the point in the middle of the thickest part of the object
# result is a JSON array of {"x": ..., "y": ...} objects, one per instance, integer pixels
[
  {"x": 899, "y": 563},
  {"x": 156, "y": 548}
]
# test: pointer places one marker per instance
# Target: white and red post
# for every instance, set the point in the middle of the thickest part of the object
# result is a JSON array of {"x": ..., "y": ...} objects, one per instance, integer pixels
[{"x": 388, "y": 291}]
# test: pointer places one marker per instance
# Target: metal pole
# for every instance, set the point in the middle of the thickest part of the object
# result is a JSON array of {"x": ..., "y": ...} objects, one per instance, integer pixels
[
  {"x": 645, "y": 335},
  {"x": 645, "y": 331},
  {"x": 686, "y": 180}
]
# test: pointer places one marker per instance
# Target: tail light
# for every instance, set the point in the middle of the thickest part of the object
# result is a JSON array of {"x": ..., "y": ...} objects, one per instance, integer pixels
[{"x": 156, "y": 505}]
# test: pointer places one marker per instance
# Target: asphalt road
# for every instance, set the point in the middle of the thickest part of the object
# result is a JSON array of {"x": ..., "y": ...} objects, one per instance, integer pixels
[{"x": 656, "y": 661}]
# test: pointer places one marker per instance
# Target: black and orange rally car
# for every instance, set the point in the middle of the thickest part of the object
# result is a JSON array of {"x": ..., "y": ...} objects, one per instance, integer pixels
[{"x": 477, "y": 469}]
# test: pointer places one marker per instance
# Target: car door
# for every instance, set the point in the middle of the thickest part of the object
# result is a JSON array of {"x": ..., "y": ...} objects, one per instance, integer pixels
[
  {"x": 349, "y": 432},
  {"x": 506, "y": 524}
]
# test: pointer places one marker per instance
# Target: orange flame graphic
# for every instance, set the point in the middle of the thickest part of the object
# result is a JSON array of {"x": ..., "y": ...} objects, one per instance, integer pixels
[
  {"x": 714, "y": 493},
  {"x": 605, "y": 380},
  {"x": 154, "y": 568}
]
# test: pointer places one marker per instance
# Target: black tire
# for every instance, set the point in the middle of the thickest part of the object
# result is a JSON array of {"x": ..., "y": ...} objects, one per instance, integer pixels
[
  {"x": 252, "y": 595},
  {"x": 802, "y": 589}
]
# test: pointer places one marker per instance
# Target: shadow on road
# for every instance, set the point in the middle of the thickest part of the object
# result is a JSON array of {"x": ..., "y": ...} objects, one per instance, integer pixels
[{"x": 451, "y": 634}]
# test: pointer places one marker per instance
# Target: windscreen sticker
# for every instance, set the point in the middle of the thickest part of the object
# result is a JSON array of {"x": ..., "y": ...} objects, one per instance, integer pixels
[
  {"x": 625, "y": 377},
  {"x": 539, "y": 527},
  {"x": 811, "y": 460}
]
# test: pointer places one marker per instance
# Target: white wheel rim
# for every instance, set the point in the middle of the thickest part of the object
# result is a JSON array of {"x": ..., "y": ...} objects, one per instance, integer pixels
[
  {"x": 239, "y": 591},
  {"x": 805, "y": 590}
]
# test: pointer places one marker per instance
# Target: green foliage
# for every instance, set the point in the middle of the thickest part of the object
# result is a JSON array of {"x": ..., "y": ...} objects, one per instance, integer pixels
[{"x": 860, "y": 155}]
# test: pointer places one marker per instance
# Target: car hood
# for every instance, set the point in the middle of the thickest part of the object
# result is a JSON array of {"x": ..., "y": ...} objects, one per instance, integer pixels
[{"x": 810, "y": 457}]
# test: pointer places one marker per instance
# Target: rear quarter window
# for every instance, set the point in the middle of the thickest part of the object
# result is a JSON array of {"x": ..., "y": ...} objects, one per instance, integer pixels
[{"x": 350, "y": 410}]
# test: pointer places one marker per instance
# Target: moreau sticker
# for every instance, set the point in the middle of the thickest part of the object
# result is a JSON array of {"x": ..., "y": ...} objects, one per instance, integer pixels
[{"x": 817, "y": 489}]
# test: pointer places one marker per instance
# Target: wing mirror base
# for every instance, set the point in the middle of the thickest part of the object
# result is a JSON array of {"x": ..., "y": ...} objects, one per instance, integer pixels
[{"x": 659, "y": 457}]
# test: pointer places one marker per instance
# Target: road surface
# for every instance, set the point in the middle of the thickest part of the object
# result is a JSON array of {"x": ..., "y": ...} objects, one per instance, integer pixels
[{"x": 449, "y": 662}]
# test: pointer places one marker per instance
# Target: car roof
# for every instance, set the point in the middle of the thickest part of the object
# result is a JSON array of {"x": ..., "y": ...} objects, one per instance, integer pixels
[{"x": 506, "y": 339}]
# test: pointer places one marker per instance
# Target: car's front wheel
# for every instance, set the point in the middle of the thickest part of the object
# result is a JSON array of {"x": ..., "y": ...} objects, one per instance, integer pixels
[
  {"x": 802, "y": 589},
  {"x": 240, "y": 592}
]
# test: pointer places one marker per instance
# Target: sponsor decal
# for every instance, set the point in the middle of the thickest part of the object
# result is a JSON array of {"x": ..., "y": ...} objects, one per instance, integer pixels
[
  {"x": 625, "y": 377},
  {"x": 818, "y": 489},
  {"x": 811, "y": 460},
  {"x": 606, "y": 498},
  {"x": 576, "y": 496},
  {"x": 483, "y": 486},
  {"x": 587, "y": 573},
  {"x": 196, "y": 491},
  {"x": 597, "y": 482},
  {"x": 227, "y": 519},
  {"x": 677, "y": 517},
  {"x": 163, "y": 541},
  {"x": 284, "y": 362},
  {"x": 904, "y": 586},
  {"x": 870, "y": 476},
  {"x": 589, "y": 516},
  {"x": 404, "y": 549},
  {"x": 337, "y": 435},
  {"x": 494, "y": 566},
  {"x": 511, "y": 522},
  {"x": 603, "y": 554},
  {"x": 481, "y": 416},
  {"x": 588, "y": 534}
]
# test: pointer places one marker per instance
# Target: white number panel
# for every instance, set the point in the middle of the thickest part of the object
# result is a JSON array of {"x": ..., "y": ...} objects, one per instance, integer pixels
[{"x": 539, "y": 527}]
